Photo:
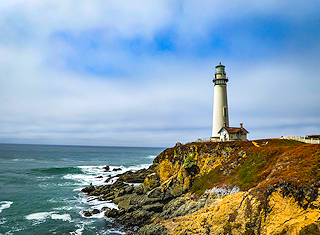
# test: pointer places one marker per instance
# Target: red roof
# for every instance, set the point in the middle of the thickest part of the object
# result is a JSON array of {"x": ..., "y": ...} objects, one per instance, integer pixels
[{"x": 233, "y": 130}]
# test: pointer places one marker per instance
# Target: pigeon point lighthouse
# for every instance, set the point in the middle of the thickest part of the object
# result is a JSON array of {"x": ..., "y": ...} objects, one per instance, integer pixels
[{"x": 220, "y": 103}]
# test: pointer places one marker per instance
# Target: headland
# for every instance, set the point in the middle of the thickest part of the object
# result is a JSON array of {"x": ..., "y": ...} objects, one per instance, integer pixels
[{"x": 266, "y": 186}]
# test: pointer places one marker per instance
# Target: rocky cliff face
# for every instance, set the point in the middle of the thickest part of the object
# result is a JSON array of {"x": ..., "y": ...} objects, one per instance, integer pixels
[{"x": 241, "y": 187}]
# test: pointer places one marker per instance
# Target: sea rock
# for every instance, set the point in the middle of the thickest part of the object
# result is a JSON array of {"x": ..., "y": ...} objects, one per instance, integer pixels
[
  {"x": 108, "y": 180},
  {"x": 116, "y": 169},
  {"x": 112, "y": 213},
  {"x": 87, "y": 213},
  {"x": 95, "y": 211},
  {"x": 88, "y": 189},
  {"x": 135, "y": 218},
  {"x": 134, "y": 177},
  {"x": 106, "y": 168}
]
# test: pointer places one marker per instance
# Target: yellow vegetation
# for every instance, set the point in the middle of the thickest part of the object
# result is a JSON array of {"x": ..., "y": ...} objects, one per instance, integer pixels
[
  {"x": 255, "y": 171},
  {"x": 234, "y": 214}
]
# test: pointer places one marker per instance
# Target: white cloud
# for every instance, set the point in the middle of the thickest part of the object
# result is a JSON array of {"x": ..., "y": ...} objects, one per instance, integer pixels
[{"x": 163, "y": 99}]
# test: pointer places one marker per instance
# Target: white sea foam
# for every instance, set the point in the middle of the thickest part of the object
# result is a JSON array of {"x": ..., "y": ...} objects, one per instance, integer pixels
[
  {"x": 77, "y": 189},
  {"x": 53, "y": 185},
  {"x": 90, "y": 174},
  {"x": 151, "y": 156},
  {"x": 64, "y": 208},
  {"x": 94, "y": 203},
  {"x": 80, "y": 229},
  {"x": 3, "y": 221},
  {"x": 64, "y": 217},
  {"x": 5, "y": 205},
  {"x": 81, "y": 179},
  {"x": 115, "y": 231},
  {"x": 43, "y": 178},
  {"x": 43, "y": 216},
  {"x": 23, "y": 160},
  {"x": 40, "y": 216}
]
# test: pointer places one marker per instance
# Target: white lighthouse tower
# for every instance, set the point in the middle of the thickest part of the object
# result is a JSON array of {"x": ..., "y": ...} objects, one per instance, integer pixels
[{"x": 220, "y": 103}]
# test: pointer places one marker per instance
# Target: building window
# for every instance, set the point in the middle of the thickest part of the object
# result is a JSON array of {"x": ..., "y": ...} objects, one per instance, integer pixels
[{"x": 224, "y": 111}]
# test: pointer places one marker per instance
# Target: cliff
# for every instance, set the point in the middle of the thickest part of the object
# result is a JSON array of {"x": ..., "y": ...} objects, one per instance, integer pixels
[{"x": 241, "y": 187}]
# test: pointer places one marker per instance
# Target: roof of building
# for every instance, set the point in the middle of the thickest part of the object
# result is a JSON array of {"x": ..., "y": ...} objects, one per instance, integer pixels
[
  {"x": 220, "y": 65},
  {"x": 233, "y": 130}
]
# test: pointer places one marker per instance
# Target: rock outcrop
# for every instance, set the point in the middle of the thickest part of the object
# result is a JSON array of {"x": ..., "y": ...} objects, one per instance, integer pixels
[{"x": 269, "y": 187}]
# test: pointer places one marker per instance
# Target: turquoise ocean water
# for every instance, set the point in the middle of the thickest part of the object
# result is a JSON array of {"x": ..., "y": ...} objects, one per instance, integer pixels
[{"x": 40, "y": 186}]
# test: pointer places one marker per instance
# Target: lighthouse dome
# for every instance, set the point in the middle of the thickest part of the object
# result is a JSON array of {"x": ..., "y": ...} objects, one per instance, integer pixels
[{"x": 220, "y": 69}]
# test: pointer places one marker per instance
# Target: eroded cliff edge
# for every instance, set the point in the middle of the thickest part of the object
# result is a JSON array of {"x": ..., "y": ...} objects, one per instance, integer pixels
[{"x": 239, "y": 187}]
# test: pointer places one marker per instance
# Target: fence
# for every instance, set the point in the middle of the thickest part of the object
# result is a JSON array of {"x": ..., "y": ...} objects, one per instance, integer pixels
[{"x": 301, "y": 139}]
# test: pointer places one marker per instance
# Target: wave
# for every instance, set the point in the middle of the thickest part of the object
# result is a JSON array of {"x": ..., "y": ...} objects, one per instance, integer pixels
[
  {"x": 81, "y": 227},
  {"x": 58, "y": 170},
  {"x": 54, "y": 185},
  {"x": 97, "y": 174},
  {"x": 43, "y": 216},
  {"x": 94, "y": 203},
  {"x": 5, "y": 205},
  {"x": 151, "y": 156},
  {"x": 22, "y": 159}
]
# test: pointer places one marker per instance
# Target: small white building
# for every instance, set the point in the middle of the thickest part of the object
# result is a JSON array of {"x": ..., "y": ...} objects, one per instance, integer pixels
[{"x": 233, "y": 133}]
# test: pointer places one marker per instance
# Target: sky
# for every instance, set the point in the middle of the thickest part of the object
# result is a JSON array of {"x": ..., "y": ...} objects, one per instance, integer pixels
[{"x": 139, "y": 73}]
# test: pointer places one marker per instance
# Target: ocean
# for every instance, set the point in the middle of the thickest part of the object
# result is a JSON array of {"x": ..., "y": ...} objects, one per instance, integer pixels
[{"x": 40, "y": 186}]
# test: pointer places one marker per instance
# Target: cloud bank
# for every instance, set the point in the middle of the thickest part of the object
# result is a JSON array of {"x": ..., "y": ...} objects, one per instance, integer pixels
[{"x": 140, "y": 74}]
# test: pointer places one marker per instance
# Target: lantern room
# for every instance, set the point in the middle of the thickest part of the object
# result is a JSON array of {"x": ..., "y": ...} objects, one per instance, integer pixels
[{"x": 220, "y": 69}]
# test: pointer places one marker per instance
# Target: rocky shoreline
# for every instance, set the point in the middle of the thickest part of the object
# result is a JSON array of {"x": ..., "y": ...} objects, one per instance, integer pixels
[
  {"x": 220, "y": 188},
  {"x": 138, "y": 206}
]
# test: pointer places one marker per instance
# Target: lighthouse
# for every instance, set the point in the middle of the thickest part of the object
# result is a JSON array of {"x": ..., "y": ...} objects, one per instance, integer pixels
[{"x": 220, "y": 102}]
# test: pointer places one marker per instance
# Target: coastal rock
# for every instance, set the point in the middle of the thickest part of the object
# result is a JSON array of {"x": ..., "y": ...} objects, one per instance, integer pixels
[
  {"x": 151, "y": 181},
  {"x": 106, "y": 168},
  {"x": 112, "y": 213},
  {"x": 134, "y": 177},
  {"x": 185, "y": 205},
  {"x": 116, "y": 169},
  {"x": 88, "y": 189},
  {"x": 135, "y": 218},
  {"x": 189, "y": 190},
  {"x": 139, "y": 190},
  {"x": 243, "y": 213},
  {"x": 153, "y": 229},
  {"x": 95, "y": 211},
  {"x": 108, "y": 179},
  {"x": 156, "y": 207},
  {"x": 87, "y": 213}
]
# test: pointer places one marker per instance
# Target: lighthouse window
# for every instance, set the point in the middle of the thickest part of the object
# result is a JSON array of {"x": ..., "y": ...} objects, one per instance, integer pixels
[
  {"x": 218, "y": 82},
  {"x": 224, "y": 111}
]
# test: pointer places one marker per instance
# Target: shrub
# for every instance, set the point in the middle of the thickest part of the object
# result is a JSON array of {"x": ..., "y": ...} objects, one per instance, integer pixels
[{"x": 189, "y": 162}]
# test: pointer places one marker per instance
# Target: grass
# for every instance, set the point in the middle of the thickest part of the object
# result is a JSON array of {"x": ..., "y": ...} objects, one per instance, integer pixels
[
  {"x": 248, "y": 166},
  {"x": 206, "y": 181}
]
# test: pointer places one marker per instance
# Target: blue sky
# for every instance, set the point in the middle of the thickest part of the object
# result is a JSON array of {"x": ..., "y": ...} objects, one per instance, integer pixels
[{"x": 140, "y": 73}]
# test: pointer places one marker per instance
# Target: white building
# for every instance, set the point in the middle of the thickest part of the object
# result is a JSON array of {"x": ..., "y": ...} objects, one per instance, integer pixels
[
  {"x": 220, "y": 103},
  {"x": 233, "y": 133},
  {"x": 220, "y": 125}
]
